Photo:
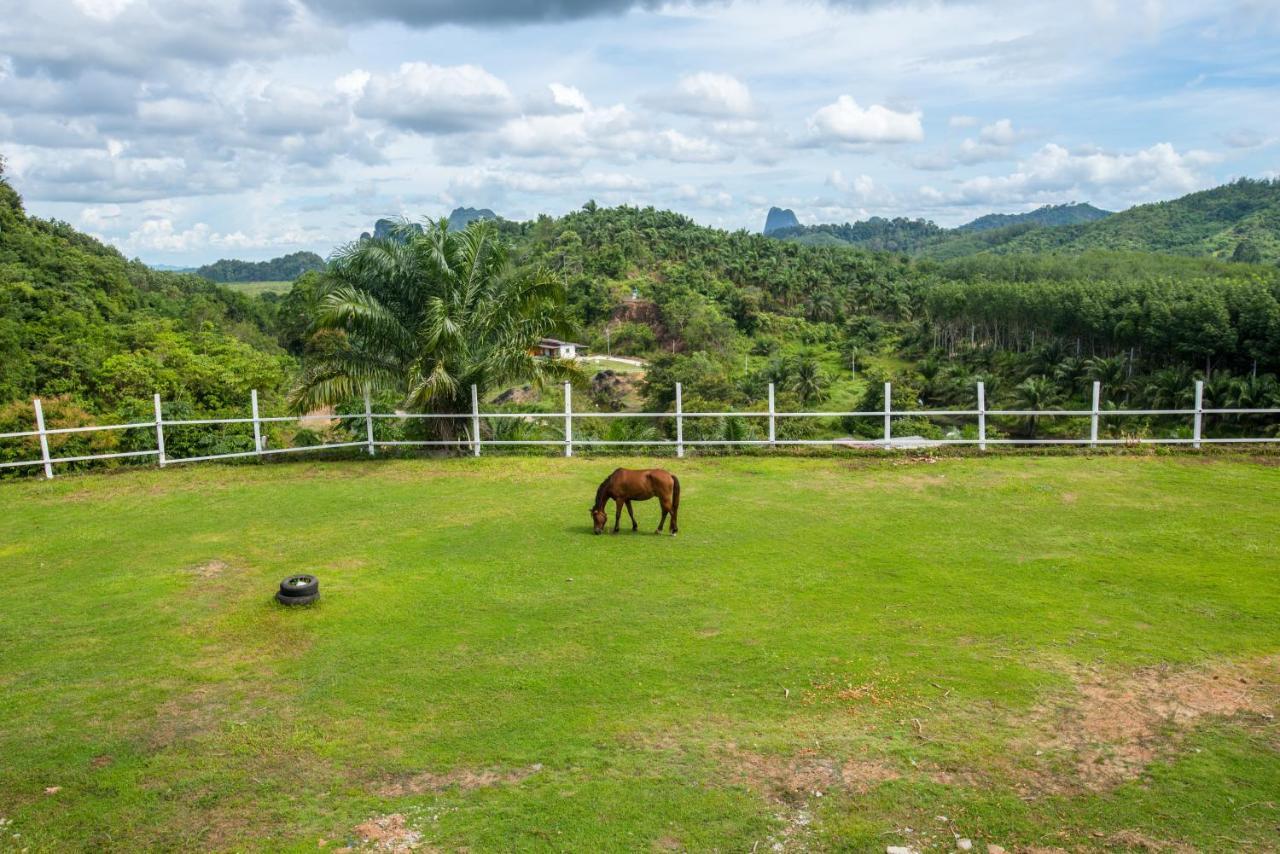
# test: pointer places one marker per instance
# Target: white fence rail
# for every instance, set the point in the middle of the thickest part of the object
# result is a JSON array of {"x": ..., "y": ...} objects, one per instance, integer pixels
[{"x": 476, "y": 441}]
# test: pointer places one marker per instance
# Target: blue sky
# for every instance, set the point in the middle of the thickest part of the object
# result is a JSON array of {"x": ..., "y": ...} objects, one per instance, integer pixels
[{"x": 183, "y": 131}]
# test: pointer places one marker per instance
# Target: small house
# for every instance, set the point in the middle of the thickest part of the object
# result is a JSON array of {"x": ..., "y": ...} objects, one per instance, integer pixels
[{"x": 553, "y": 348}]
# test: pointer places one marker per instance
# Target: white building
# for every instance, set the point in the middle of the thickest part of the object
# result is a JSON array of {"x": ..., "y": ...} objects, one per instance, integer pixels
[{"x": 553, "y": 348}]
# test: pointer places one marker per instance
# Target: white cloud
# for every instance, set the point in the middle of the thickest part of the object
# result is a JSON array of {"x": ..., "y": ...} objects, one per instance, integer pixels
[
  {"x": 709, "y": 94},
  {"x": 675, "y": 146},
  {"x": 860, "y": 186},
  {"x": 434, "y": 98},
  {"x": 962, "y": 121},
  {"x": 845, "y": 122},
  {"x": 999, "y": 133},
  {"x": 569, "y": 97},
  {"x": 1056, "y": 171}
]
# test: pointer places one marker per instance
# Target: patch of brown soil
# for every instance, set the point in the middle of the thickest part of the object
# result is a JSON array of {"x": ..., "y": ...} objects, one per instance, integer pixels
[
  {"x": 796, "y": 778},
  {"x": 462, "y": 778},
  {"x": 101, "y": 761},
  {"x": 1117, "y": 725},
  {"x": 211, "y": 569},
  {"x": 1132, "y": 840},
  {"x": 386, "y": 833}
]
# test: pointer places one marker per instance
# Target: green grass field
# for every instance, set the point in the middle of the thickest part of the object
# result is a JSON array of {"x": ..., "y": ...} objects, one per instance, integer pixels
[
  {"x": 833, "y": 655},
  {"x": 254, "y": 289}
]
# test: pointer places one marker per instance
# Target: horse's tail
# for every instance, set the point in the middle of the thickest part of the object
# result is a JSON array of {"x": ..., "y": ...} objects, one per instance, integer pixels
[{"x": 675, "y": 493}]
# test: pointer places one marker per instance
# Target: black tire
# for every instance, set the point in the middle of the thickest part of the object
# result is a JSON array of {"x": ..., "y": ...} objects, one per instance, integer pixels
[
  {"x": 296, "y": 586},
  {"x": 296, "y": 600}
]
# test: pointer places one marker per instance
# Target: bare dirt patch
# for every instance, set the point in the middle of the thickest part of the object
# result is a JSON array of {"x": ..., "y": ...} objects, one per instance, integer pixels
[
  {"x": 211, "y": 569},
  {"x": 386, "y": 833},
  {"x": 791, "y": 779},
  {"x": 461, "y": 778},
  {"x": 1117, "y": 725}
]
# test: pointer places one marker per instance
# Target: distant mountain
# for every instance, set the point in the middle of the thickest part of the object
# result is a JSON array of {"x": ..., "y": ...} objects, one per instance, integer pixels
[
  {"x": 383, "y": 228},
  {"x": 1238, "y": 221},
  {"x": 780, "y": 218},
  {"x": 462, "y": 217},
  {"x": 286, "y": 268},
  {"x": 1051, "y": 215},
  {"x": 171, "y": 268}
]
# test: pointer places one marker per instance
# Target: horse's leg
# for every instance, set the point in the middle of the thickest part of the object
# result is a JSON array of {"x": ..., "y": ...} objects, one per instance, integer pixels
[
  {"x": 617, "y": 516},
  {"x": 663, "y": 520},
  {"x": 632, "y": 514}
]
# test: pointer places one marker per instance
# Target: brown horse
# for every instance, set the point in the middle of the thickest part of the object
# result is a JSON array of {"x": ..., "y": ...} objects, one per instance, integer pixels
[{"x": 627, "y": 485}]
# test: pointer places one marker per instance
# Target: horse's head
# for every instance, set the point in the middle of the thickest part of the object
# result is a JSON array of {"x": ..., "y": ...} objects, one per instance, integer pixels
[{"x": 599, "y": 519}]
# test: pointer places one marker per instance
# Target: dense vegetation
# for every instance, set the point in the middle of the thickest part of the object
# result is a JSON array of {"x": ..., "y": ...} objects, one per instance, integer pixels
[
  {"x": 723, "y": 313},
  {"x": 286, "y": 268},
  {"x": 1238, "y": 221},
  {"x": 97, "y": 335},
  {"x": 1069, "y": 214}
]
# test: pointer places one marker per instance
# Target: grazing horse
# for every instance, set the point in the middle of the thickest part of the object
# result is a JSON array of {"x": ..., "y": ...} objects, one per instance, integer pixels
[{"x": 627, "y": 485}]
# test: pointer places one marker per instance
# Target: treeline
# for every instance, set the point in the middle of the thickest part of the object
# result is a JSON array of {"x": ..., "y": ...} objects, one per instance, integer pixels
[
  {"x": 96, "y": 335},
  {"x": 877, "y": 234},
  {"x": 286, "y": 268}
]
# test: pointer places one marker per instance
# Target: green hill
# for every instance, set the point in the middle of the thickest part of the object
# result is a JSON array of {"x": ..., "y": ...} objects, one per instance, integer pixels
[
  {"x": 878, "y": 234},
  {"x": 80, "y": 323},
  {"x": 286, "y": 268},
  {"x": 1239, "y": 221},
  {"x": 1070, "y": 214},
  {"x": 1213, "y": 222}
]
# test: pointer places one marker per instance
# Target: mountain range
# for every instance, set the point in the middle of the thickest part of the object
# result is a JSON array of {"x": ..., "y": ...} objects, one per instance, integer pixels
[{"x": 1237, "y": 221}]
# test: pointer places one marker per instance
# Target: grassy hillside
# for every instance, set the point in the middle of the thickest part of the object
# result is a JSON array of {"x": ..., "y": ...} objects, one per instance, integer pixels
[{"x": 827, "y": 655}]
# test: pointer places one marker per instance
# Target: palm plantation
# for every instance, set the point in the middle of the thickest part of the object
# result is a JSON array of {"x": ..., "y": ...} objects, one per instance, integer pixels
[{"x": 424, "y": 316}]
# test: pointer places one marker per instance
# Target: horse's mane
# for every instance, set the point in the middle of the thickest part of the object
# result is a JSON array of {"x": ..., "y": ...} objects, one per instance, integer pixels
[{"x": 600, "y": 496}]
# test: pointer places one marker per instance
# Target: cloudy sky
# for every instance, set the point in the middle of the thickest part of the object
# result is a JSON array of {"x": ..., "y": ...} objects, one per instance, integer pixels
[{"x": 183, "y": 130}]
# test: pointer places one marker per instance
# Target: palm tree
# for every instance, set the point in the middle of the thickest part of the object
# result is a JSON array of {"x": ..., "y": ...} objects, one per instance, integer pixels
[
  {"x": 808, "y": 380},
  {"x": 426, "y": 316},
  {"x": 1110, "y": 372},
  {"x": 1036, "y": 393},
  {"x": 1170, "y": 388}
]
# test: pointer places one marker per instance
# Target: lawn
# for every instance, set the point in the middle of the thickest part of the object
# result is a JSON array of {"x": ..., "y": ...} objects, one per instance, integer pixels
[
  {"x": 833, "y": 655},
  {"x": 254, "y": 289}
]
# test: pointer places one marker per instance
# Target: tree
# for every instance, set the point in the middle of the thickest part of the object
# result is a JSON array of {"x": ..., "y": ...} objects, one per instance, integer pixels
[
  {"x": 1246, "y": 253},
  {"x": 429, "y": 315},
  {"x": 808, "y": 380},
  {"x": 1035, "y": 393}
]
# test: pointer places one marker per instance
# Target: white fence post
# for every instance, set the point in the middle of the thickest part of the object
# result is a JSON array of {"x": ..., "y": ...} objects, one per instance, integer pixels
[
  {"x": 1093, "y": 417},
  {"x": 982, "y": 415},
  {"x": 159, "y": 428},
  {"x": 257, "y": 427},
  {"x": 475, "y": 421},
  {"x": 679, "y": 422},
  {"x": 888, "y": 420},
  {"x": 368, "y": 420},
  {"x": 44, "y": 440},
  {"x": 1199, "y": 413},
  {"x": 773, "y": 434},
  {"x": 568, "y": 421}
]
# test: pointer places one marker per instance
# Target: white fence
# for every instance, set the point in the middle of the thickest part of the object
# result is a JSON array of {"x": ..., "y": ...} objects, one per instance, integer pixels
[{"x": 475, "y": 441}]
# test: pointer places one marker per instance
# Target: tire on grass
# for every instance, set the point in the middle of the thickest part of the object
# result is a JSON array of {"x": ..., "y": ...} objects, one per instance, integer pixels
[
  {"x": 296, "y": 600},
  {"x": 296, "y": 586}
]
